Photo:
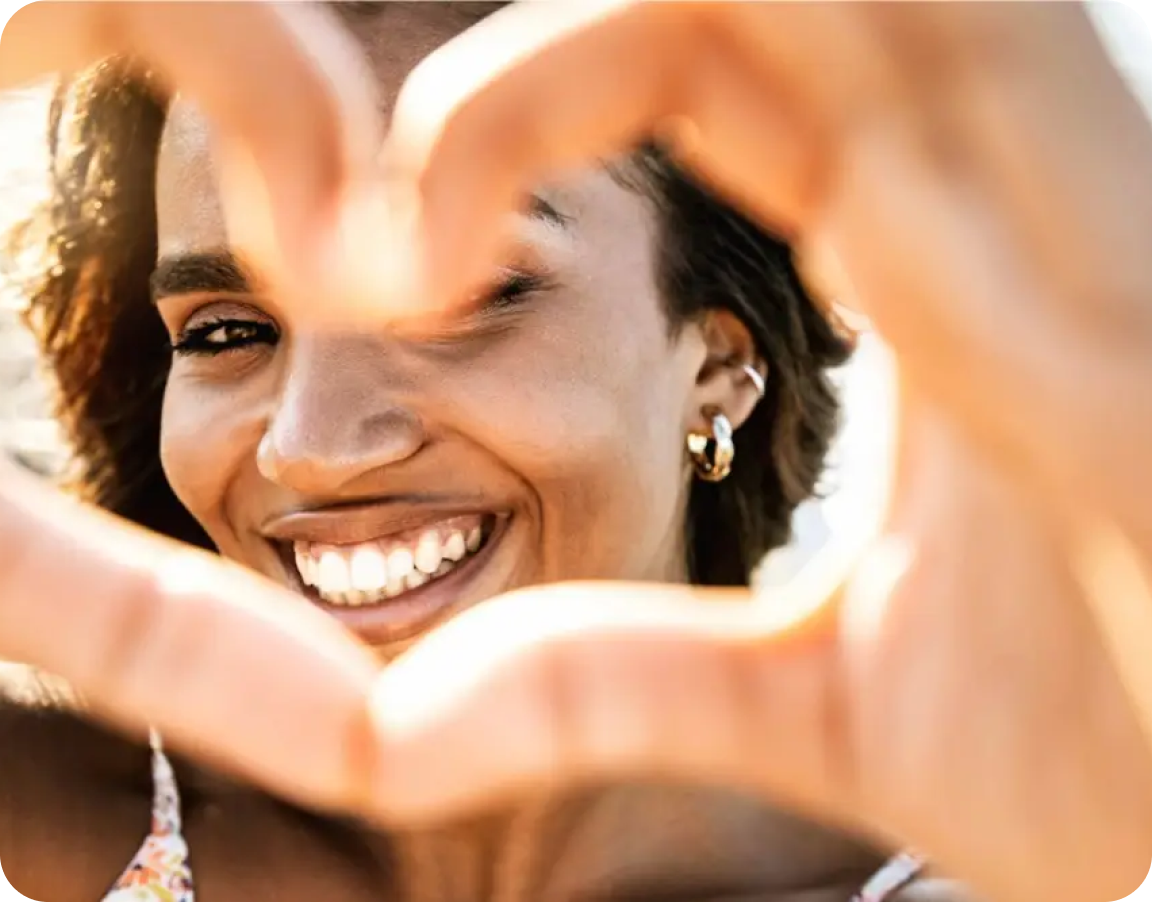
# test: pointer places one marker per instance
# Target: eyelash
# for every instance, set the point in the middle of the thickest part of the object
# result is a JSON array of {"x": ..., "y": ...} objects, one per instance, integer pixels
[
  {"x": 517, "y": 285},
  {"x": 196, "y": 340}
]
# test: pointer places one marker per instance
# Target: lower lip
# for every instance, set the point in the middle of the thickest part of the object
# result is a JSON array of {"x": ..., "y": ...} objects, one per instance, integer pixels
[{"x": 408, "y": 615}]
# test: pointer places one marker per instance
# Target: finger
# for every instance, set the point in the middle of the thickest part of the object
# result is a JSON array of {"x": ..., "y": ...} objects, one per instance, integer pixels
[
  {"x": 758, "y": 154},
  {"x": 153, "y": 634},
  {"x": 538, "y": 88},
  {"x": 592, "y": 682},
  {"x": 290, "y": 97},
  {"x": 533, "y": 88},
  {"x": 48, "y": 38},
  {"x": 1095, "y": 298},
  {"x": 295, "y": 108}
]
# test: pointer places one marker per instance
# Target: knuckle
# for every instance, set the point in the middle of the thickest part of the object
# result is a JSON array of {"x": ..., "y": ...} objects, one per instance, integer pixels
[
  {"x": 152, "y": 642},
  {"x": 552, "y": 701},
  {"x": 123, "y": 642}
]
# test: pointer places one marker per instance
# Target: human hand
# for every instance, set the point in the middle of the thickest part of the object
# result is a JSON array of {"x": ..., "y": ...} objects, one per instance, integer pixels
[{"x": 973, "y": 683}]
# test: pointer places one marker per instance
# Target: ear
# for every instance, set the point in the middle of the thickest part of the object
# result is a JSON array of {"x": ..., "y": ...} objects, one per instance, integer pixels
[{"x": 722, "y": 382}]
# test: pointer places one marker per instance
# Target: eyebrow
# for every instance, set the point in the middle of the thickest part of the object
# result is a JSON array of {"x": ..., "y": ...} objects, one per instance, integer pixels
[
  {"x": 216, "y": 271},
  {"x": 223, "y": 272}
]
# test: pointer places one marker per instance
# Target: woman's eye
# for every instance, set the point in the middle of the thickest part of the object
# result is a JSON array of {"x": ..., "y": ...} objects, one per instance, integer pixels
[
  {"x": 223, "y": 335},
  {"x": 513, "y": 289},
  {"x": 483, "y": 316}
]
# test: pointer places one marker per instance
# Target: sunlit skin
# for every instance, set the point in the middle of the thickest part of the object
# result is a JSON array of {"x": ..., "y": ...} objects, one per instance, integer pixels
[
  {"x": 1061, "y": 209},
  {"x": 554, "y": 407}
]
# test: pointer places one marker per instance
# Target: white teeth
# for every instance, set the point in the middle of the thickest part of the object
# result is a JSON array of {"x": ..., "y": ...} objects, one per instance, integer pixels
[
  {"x": 397, "y": 583},
  {"x": 359, "y": 575},
  {"x": 332, "y": 574},
  {"x": 428, "y": 555},
  {"x": 417, "y": 578},
  {"x": 304, "y": 564},
  {"x": 368, "y": 569},
  {"x": 454, "y": 549},
  {"x": 399, "y": 563}
]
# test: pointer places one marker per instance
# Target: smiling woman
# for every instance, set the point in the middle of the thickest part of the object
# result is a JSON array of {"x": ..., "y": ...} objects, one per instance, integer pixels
[{"x": 643, "y": 393}]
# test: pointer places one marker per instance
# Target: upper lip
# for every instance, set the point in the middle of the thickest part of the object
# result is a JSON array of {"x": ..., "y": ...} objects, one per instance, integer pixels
[{"x": 351, "y": 523}]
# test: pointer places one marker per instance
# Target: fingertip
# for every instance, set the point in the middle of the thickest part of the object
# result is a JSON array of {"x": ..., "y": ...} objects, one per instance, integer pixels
[
  {"x": 385, "y": 253},
  {"x": 371, "y": 256},
  {"x": 448, "y": 209}
]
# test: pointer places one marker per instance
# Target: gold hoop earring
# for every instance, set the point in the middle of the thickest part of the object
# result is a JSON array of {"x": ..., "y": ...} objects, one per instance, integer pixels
[{"x": 717, "y": 466}]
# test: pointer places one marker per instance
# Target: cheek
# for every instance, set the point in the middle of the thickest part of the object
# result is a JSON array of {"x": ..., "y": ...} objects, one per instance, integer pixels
[
  {"x": 589, "y": 415},
  {"x": 205, "y": 439}
]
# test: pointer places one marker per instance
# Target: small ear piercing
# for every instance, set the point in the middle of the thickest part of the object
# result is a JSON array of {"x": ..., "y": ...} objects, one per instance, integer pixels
[{"x": 755, "y": 378}]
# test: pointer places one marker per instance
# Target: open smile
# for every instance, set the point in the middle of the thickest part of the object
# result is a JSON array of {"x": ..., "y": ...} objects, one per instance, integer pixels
[{"x": 393, "y": 586}]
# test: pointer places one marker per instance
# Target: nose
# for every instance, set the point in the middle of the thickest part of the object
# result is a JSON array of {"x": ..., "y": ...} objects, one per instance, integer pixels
[{"x": 337, "y": 420}]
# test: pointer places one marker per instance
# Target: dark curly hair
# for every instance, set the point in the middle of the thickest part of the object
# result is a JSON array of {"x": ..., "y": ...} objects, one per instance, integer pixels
[{"x": 105, "y": 346}]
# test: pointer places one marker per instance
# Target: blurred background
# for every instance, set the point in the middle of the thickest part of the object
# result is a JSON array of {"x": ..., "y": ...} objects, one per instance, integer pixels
[{"x": 28, "y": 434}]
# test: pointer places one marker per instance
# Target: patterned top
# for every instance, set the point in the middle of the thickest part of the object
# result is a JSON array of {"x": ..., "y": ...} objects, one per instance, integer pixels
[{"x": 160, "y": 871}]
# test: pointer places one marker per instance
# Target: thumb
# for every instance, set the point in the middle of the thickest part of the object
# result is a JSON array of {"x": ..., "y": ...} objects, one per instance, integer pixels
[
  {"x": 586, "y": 682},
  {"x": 154, "y": 634}
]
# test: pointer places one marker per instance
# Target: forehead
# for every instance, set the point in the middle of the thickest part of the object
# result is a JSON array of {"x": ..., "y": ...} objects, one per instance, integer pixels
[{"x": 395, "y": 36}]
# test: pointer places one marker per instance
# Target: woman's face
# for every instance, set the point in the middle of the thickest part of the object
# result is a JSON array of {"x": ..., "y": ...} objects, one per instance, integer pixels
[
  {"x": 549, "y": 428},
  {"x": 398, "y": 473}
]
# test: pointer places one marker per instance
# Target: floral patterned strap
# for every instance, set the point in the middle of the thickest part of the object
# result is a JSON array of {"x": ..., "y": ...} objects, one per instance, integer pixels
[
  {"x": 160, "y": 870},
  {"x": 895, "y": 875}
]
